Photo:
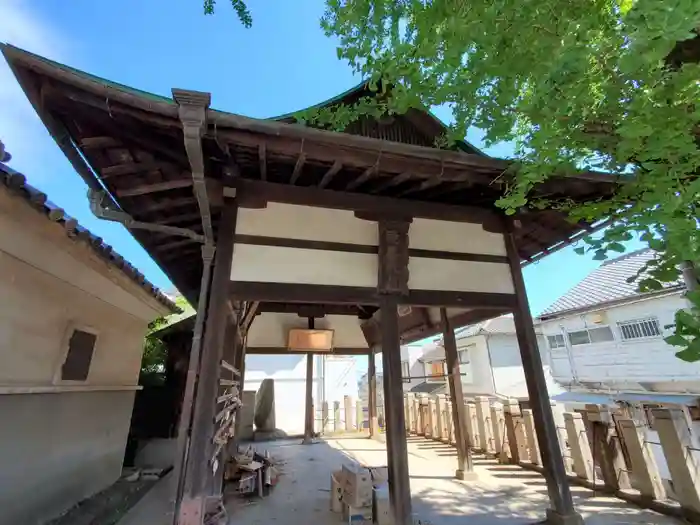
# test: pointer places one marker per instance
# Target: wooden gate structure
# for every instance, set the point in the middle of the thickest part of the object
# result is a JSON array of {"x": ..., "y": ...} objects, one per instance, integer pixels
[{"x": 249, "y": 217}]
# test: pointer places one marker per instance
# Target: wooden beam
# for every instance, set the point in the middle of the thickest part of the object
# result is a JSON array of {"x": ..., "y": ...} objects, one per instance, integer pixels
[
  {"x": 309, "y": 310},
  {"x": 390, "y": 182},
  {"x": 426, "y": 184},
  {"x": 359, "y": 181},
  {"x": 309, "y": 397},
  {"x": 332, "y": 172},
  {"x": 262, "y": 157},
  {"x": 180, "y": 218},
  {"x": 164, "y": 204},
  {"x": 250, "y": 314},
  {"x": 100, "y": 142},
  {"x": 175, "y": 244},
  {"x": 255, "y": 191},
  {"x": 298, "y": 167},
  {"x": 131, "y": 168},
  {"x": 155, "y": 187},
  {"x": 281, "y": 350}
]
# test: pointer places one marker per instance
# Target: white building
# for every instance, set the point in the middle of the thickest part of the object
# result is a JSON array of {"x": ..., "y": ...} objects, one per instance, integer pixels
[
  {"x": 489, "y": 359},
  {"x": 605, "y": 337}
]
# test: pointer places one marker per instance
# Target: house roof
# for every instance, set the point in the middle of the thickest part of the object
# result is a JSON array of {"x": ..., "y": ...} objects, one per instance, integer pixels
[
  {"x": 498, "y": 325},
  {"x": 15, "y": 183},
  {"x": 130, "y": 143},
  {"x": 607, "y": 284},
  {"x": 435, "y": 354}
]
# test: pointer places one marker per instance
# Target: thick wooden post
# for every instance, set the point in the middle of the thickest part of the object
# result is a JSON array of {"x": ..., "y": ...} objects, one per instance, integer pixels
[
  {"x": 347, "y": 408},
  {"x": 459, "y": 418},
  {"x": 198, "y": 472},
  {"x": 439, "y": 409},
  {"x": 309, "y": 405},
  {"x": 392, "y": 283},
  {"x": 483, "y": 421},
  {"x": 473, "y": 436},
  {"x": 372, "y": 391},
  {"x": 500, "y": 441},
  {"x": 562, "y": 505},
  {"x": 324, "y": 417},
  {"x": 336, "y": 416}
]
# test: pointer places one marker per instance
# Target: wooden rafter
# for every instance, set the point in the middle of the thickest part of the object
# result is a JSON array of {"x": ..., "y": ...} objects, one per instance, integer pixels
[
  {"x": 298, "y": 167},
  {"x": 183, "y": 217},
  {"x": 426, "y": 184},
  {"x": 130, "y": 168},
  {"x": 165, "y": 204},
  {"x": 156, "y": 187},
  {"x": 332, "y": 172},
  {"x": 393, "y": 181},
  {"x": 100, "y": 142},
  {"x": 359, "y": 181},
  {"x": 262, "y": 159},
  {"x": 174, "y": 244}
]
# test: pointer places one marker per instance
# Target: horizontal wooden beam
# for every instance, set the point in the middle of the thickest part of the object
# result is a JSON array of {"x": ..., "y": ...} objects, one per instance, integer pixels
[
  {"x": 309, "y": 310},
  {"x": 281, "y": 350},
  {"x": 155, "y": 187},
  {"x": 130, "y": 168},
  {"x": 327, "y": 294},
  {"x": 257, "y": 192}
]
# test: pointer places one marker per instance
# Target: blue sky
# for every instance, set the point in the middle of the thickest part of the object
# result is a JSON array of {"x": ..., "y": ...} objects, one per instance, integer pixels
[{"x": 282, "y": 64}]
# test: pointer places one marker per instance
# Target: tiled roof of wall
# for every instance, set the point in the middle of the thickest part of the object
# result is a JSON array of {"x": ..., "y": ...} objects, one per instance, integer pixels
[{"x": 16, "y": 184}]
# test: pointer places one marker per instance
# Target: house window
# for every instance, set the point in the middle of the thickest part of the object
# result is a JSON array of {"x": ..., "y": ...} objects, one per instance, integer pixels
[
  {"x": 556, "y": 341},
  {"x": 640, "y": 328},
  {"x": 463, "y": 357},
  {"x": 81, "y": 347},
  {"x": 405, "y": 372},
  {"x": 591, "y": 335}
]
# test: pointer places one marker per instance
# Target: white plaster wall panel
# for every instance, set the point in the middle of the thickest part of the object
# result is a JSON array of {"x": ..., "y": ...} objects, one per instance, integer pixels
[
  {"x": 290, "y": 221},
  {"x": 35, "y": 315},
  {"x": 646, "y": 360},
  {"x": 270, "y": 329},
  {"x": 273, "y": 264},
  {"x": 38, "y": 243},
  {"x": 462, "y": 276},
  {"x": 460, "y": 237}
]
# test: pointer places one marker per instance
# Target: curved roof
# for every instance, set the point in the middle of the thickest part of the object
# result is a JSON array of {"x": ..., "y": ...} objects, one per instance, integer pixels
[{"x": 131, "y": 143}]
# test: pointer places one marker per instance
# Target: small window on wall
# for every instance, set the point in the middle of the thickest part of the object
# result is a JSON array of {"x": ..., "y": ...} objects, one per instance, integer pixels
[
  {"x": 437, "y": 369},
  {"x": 405, "y": 372},
  {"x": 591, "y": 335},
  {"x": 640, "y": 328},
  {"x": 463, "y": 357},
  {"x": 81, "y": 347},
  {"x": 556, "y": 341}
]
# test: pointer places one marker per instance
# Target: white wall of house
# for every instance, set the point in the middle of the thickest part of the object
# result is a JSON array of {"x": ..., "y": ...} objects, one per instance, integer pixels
[
  {"x": 490, "y": 362},
  {"x": 62, "y": 441},
  {"x": 622, "y": 363}
]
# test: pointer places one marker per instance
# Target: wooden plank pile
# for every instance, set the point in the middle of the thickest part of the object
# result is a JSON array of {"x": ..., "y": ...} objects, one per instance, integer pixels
[{"x": 250, "y": 472}]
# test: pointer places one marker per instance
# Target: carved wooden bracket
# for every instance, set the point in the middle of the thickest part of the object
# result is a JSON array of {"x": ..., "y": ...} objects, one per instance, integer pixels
[{"x": 393, "y": 257}]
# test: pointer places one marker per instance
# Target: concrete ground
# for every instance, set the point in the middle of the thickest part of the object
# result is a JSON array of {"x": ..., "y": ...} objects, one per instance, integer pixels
[{"x": 503, "y": 495}]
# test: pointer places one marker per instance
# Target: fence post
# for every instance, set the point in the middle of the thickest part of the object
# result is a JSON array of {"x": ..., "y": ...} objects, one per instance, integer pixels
[
  {"x": 324, "y": 417},
  {"x": 347, "y": 408},
  {"x": 439, "y": 407},
  {"x": 532, "y": 444},
  {"x": 645, "y": 472},
  {"x": 359, "y": 416},
  {"x": 675, "y": 438},
  {"x": 472, "y": 425},
  {"x": 483, "y": 417},
  {"x": 608, "y": 448},
  {"x": 336, "y": 416},
  {"x": 580, "y": 446},
  {"x": 558, "y": 414},
  {"x": 499, "y": 441}
]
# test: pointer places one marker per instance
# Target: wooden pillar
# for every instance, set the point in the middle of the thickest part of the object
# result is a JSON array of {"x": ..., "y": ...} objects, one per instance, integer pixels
[
  {"x": 580, "y": 446},
  {"x": 533, "y": 446},
  {"x": 432, "y": 417},
  {"x": 392, "y": 284},
  {"x": 309, "y": 405},
  {"x": 483, "y": 419},
  {"x": 465, "y": 463},
  {"x": 608, "y": 448},
  {"x": 198, "y": 472},
  {"x": 408, "y": 400},
  {"x": 684, "y": 466},
  {"x": 451, "y": 440},
  {"x": 562, "y": 505},
  {"x": 644, "y": 469},
  {"x": 372, "y": 384}
]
